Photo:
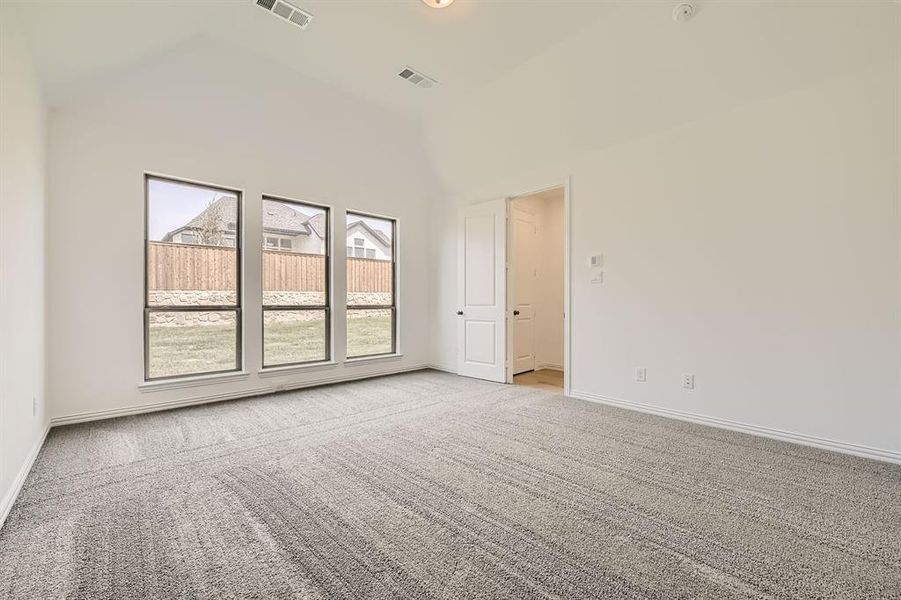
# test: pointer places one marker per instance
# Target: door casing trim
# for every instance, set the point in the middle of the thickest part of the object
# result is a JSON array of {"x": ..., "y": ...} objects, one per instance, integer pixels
[{"x": 563, "y": 182}]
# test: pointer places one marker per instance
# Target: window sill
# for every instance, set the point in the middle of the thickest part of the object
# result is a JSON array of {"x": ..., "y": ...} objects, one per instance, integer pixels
[
  {"x": 290, "y": 369},
  {"x": 366, "y": 359},
  {"x": 192, "y": 381}
]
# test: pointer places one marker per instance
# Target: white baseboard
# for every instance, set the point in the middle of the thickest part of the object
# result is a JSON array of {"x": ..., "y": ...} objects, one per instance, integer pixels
[
  {"x": 443, "y": 369},
  {"x": 768, "y": 432},
  {"x": 9, "y": 499},
  {"x": 111, "y": 413},
  {"x": 548, "y": 367}
]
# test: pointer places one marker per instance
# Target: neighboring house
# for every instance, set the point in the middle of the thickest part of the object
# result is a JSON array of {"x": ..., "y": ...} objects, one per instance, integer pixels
[
  {"x": 283, "y": 229},
  {"x": 364, "y": 241}
]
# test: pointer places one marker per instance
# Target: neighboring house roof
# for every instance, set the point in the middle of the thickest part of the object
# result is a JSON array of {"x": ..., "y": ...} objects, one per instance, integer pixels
[
  {"x": 375, "y": 233},
  {"x": 223, "y": 207},
  {"x": 317, "y": 224},
  {"x": 278, "y": 217}
]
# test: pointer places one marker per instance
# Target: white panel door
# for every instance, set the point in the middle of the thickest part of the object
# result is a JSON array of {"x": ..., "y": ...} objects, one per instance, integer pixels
[
  {"x": 524, "y": 249},
  {"x": 481, "y": 333}
]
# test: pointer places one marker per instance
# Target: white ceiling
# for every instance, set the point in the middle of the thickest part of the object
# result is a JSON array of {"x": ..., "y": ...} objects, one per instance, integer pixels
[{"x": 356, "y": 45}]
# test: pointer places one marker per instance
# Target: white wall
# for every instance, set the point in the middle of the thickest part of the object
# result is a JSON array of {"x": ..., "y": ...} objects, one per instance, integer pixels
[
  {"x": 217, "y": 114},
  {"x": 756, "y": 247},
  {"x": 22, "y": 205},
  {"x": 549, "y": 352}
]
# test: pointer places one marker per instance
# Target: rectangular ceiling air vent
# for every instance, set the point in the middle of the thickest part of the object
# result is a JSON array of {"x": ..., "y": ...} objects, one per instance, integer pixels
[
  {"x": 286, "y": 11},
  {"x": 417, "y": 78}
]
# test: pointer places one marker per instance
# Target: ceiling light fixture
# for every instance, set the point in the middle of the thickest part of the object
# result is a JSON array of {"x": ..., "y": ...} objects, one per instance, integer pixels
[
  {"x": 684, "y": 12},
  {"x": 439, "y": 3}
]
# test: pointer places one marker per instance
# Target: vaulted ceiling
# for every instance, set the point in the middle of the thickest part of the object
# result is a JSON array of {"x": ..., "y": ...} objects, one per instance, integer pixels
[
  {"x": 523, "y": 82},
  {"x": 355, "y": 45}
]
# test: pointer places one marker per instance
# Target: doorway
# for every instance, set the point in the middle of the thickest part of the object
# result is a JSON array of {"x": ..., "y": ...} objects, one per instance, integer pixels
[
  {"x": 536, "y": 284},
  {"x": 488, "y": 261}
]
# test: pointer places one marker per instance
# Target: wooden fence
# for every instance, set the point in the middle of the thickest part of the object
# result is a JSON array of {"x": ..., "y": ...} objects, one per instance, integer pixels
[
  {"x": 289, "y": 272},
  {"x": 193, "y": 267}
]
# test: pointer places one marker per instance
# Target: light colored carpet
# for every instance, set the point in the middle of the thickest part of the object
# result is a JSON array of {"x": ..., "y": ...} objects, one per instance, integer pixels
[{"x": 427, "y": 485}]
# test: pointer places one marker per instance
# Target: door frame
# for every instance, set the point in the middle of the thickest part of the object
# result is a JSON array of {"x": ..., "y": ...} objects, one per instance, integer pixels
[{"x": 567, "y": 279}]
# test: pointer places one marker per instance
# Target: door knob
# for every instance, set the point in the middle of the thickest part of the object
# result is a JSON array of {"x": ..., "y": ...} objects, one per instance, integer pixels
[
  {"x": 459, "y": 312},
  {"x": 515, "y": 313}
]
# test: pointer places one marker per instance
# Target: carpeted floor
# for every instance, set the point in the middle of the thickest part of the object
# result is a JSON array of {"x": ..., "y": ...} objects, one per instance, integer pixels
[{"x": 427, "y": 485}]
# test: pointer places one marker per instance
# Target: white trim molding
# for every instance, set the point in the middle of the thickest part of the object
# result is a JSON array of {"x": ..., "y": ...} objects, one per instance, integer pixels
[
  {"x": 767, "y": 432},
  {"x": 294, "y": 369},
  {"x": 361, "y": 360},
  {"x": 193, "y": 381},
  {"x": 7, "y": 502},
  {"x": 138, "y": 409},
  {"x": 112, "y": 413}
]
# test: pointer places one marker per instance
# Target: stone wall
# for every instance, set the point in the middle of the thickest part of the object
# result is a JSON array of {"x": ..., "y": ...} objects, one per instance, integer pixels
[
  {"x": 369, "y": 298},
  {"x": 201, "y": 298},
  {"x": 190, "y": 297}
]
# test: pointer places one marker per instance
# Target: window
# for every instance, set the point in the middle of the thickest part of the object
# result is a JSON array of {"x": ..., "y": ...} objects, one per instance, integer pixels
[
  {"x": 296, "y": 303},
  {"x": 192, "y": 300},
  {"x": 359, "y": 241},
  {"x": 371, "y": 307},
  {"x": 370, "y": 253}
]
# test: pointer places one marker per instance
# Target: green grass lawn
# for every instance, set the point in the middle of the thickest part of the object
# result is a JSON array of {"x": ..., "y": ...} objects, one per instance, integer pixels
[
  {"x": 368, "y": 335},
  {"x": 202, "y": 349},
  {"x": 293, "y": 342},
  {"x": 195, "y": 349}
]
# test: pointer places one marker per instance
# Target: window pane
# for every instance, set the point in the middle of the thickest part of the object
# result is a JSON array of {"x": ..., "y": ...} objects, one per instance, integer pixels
[
  {"x": 369, "y": 331},
  {"x": 293, "y": 336},
  {"x": 188, "y": 342},
  {"x": 370, "y": 269},
  {"x": 294, "y": 265},
  {"x": 191, "y": 260}
]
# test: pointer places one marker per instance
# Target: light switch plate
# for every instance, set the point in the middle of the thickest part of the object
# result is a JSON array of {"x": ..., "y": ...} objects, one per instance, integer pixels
[{"x": 596, "y": 261}]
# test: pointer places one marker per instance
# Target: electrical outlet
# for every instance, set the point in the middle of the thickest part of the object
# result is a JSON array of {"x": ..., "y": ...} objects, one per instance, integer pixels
[
  {"x": 688, "y": 381},
  {"x": 641, "y": 374}
]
